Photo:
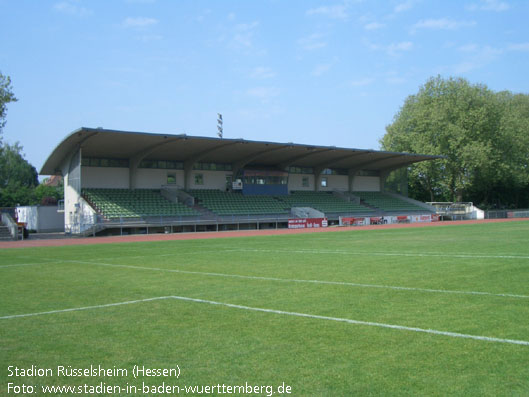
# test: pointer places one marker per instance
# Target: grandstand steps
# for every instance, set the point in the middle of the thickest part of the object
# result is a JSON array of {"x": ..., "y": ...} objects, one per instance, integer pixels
[
  {"x": 371, "y": 207},
  {"x": 412, "y": 201},
  {"x": 204, "y": 212},
  {"x": 5, "y": 234}
]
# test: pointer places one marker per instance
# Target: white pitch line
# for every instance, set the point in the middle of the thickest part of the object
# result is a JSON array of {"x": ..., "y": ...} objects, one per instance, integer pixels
[
  {"x": 358, "y": 322},
  {"x": 29, "y": 264},
  {"x": 84, "y": 308},
  {"x": 326, "y": 252},
  {"x": 282, "y": 312},
  {"x": 405, "y": 254},
  {"x": 344, "y": 283}
]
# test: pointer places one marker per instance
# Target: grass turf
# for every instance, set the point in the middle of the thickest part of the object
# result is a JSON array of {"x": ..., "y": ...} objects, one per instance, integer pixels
[{"x": 215, "y": 344}]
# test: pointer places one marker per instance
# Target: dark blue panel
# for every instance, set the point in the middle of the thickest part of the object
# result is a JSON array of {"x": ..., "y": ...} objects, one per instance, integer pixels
[{"x": 271, "y": 190}]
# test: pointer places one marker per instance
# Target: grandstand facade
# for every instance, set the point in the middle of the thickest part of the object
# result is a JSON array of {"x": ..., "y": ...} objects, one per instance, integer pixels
[{"x": 138, "y": 182}]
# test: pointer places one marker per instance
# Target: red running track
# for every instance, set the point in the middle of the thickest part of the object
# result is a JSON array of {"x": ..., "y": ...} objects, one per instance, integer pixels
[{"x": 227, "y": 234}]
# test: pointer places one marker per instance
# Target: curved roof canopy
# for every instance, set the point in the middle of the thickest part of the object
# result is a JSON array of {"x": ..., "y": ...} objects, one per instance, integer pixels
[{"x": 136, "y": 146}]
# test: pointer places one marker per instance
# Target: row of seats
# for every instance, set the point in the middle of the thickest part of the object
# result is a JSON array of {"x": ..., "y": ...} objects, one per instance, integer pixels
[
  {"x": 230, "y": 203},
  {"x": 134, "y": 203},
  {"x": 325, "y": 202},
  {"x": 386, "y": 202}
]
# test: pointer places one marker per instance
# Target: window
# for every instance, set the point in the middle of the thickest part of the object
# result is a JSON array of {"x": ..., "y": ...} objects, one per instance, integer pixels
[
  {"x": 301, "y": 170},
  {"x": 324, "y": 181},
  {"x": 305, "y": 181},
  {"x": 334, "y": 171},
  {"x": 171, "y": 179},
  {"x": 104, "y": 162},
  {"x": 368, "y": 173},
  {"x": 199, "y": 179},
  {"x": 212, "y": 167},
  {"x": 162, "y": 164}
]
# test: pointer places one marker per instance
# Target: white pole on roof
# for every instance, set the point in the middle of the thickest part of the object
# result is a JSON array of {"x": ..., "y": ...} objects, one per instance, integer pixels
[{"x": 219, "y": 125}]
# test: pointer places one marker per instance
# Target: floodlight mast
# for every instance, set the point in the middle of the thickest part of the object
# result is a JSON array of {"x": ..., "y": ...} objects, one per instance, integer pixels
[{"x": 219, "y": 125}]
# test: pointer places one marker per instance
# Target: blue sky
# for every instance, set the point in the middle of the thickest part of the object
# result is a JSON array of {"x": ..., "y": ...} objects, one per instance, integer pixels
[{"x": 312, "y": 72}]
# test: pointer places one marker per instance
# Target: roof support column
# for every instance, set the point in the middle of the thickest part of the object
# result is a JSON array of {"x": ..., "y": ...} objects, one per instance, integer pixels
[
  {"x": 351, "y": 173},
  {"x": 133, "y": 173},
  {"x": 383, "y": 175},
  {"x": 317, "y": 178},
  {"x": 188, "y": 167}
]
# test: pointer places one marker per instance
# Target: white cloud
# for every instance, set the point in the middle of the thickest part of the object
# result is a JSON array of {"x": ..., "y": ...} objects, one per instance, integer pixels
[
  {"x": 264, "y": 94},
  {"x": 313, "y": 42},
  {"x": 442, "y": 24},
  {"x": 478, "y": 58},
  {"x": 262, "y": 72},
  {"x": 468, "y": 48},
  {"x": 150, "y": 37},
  {"x": 392, "y": 49},
  {"x": 404, "y": 6},
  {"x": 490, "y": 5},
  {"x": 374, "y": 26},
  {"x": 362, "y": 82},
  {"x": 334, "y": 12},
  {"x": 246, "y": 27},
  {"x": 518, "y": 46},
  {"x": 72, "y": 8},
  {"x": 243, "y": 35},
  {"x": 395, "y": 80},
  {"x": 397, "y": 48},
  {"x": 321, "y": 69},
  {"x": 139, "y": 22}
]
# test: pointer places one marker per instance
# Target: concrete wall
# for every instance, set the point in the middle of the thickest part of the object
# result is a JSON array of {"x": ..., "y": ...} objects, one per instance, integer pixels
[
  {"x": 105, "y": 177},
  {"x": 335, "y": 182},
  {"x": 366, "y": 184},
  {"x": 212, "y": 179},
  {"x": 147, "y": 178},
  {"x": 41, "y": 218},
  {"x": 71, "y": 198},
  {"x": 295, "y": 182}
]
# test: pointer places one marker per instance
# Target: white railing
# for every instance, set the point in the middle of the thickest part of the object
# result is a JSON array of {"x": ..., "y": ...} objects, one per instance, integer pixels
[{"x": 451, "y": 208}]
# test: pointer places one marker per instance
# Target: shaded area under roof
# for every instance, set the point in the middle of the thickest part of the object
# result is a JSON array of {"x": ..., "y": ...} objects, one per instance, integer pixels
[{"x": 98, "y": 142}]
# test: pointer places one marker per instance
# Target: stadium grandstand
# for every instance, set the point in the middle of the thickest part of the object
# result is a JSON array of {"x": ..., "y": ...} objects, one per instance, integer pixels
[{"x": 132, "y": 182}]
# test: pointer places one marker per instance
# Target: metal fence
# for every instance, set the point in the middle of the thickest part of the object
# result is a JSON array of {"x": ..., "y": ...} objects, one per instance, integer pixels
[{"x": 502, "y": 214}]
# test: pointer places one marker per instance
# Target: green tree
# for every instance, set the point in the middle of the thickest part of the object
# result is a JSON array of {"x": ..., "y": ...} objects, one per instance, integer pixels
[
  {"x": 482, "y": 134},
  {"x": 6, "y": 96},
  {"x": 48, "y": 195},
  {"x": 18, "y": 178}
]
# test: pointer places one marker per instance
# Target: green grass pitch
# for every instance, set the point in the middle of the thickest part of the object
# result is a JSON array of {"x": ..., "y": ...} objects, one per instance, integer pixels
[{"x": 467, "y": 280}]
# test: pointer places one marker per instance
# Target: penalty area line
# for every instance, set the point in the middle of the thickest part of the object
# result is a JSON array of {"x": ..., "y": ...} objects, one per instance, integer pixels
[
  {"x": 358, "y": 322},
  {"x": 285, "y": 313},
  {"x": 289, "y": 280},
  {"x": 75, "y": 309}
]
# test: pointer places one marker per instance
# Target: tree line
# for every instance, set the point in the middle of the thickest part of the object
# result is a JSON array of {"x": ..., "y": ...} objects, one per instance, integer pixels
[
  {"x": 483, "y": 136},
  {"x": 19, "y": 184}
]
